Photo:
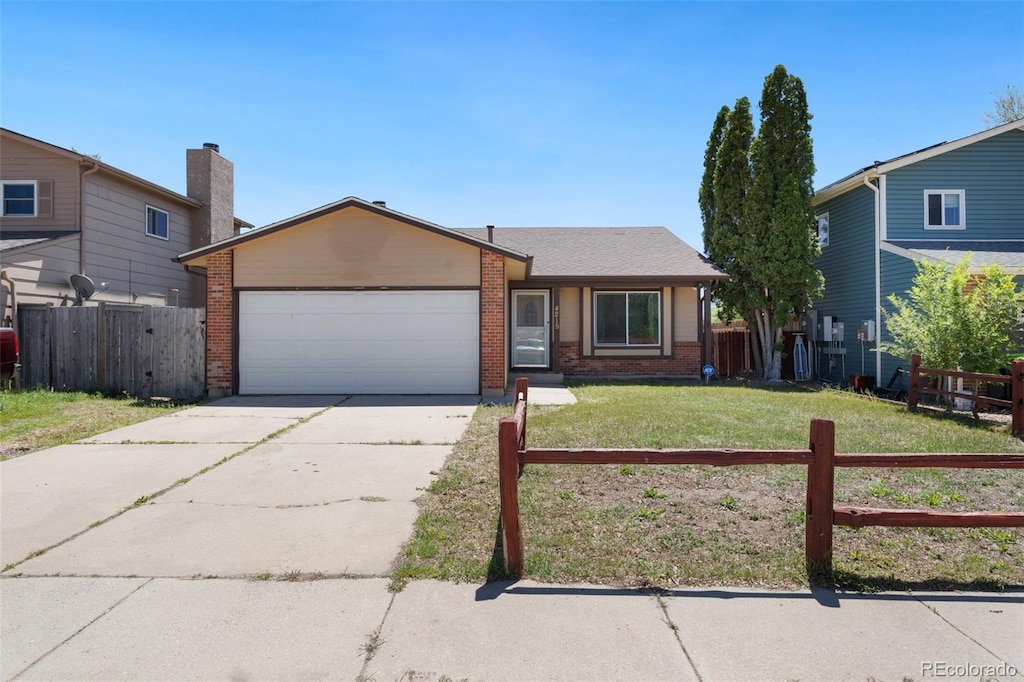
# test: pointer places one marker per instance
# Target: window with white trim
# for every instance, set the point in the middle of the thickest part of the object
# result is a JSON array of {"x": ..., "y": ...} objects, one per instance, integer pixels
[
  {"x": 823, "y": 230},
  {"x": 944, "y": 209},
  {"x": 627, "y": 318},
  {"x": 19, "y": 198},
  {"x": 157, "y": 223}
]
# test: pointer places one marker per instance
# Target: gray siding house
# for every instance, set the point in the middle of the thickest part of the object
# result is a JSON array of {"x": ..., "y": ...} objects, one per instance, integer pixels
[
  {"x": 64, "y": 213},
  {"x": 937, "y": 204}
]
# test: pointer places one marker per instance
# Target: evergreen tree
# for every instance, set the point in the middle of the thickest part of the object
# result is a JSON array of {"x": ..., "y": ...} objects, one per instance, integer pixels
[
  {"x": 763, "y": 232},
  {"x": 706, "y": 196}
]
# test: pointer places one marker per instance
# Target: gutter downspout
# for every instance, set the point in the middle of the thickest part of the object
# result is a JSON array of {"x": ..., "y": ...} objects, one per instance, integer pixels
[
  {"x": 878, "y": 278},
  {"x": 81, "y": 216}
]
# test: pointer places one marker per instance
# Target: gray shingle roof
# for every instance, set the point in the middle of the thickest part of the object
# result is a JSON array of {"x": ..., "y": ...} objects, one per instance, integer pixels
[
  {"x": 1009, "y": 254},
  {"x": 591, "y": 252},
  {"x": 16, "y": 239}
]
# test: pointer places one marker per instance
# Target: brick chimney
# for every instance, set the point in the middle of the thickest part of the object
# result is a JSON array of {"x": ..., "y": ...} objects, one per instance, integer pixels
[{"x": 210, "y": 179}]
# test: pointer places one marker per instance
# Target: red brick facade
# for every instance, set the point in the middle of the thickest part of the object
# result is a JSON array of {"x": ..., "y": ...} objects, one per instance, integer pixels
[
  {"x": 685, "y": 361},
  {"x": 492, "y": 322},
  {"x": 220, "y": 322}
]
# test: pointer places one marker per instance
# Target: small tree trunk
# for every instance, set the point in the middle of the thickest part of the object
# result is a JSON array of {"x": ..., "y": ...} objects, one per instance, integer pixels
[
  {"x": 755, "y": 344},
  {"x": 768, "y": 338}
]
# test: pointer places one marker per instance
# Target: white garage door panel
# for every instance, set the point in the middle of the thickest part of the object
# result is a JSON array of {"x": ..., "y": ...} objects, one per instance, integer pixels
[{"x": 359, "y": 342}]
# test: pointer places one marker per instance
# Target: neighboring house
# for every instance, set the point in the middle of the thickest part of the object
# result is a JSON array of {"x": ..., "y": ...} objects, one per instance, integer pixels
[
  {"x": 938, "y": 204},
  {"x": 354, "y": 297},
  {"x": 64, "y": 213}
]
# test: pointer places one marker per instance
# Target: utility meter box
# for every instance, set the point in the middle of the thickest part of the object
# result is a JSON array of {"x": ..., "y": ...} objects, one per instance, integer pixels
[
  {"x": 838, "y": 331},
  {"x": 826, "y": 328},
  {"x": 866, "y": 331}
]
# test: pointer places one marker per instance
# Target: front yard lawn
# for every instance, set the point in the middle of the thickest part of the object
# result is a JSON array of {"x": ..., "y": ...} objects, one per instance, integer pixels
[
  {"x": 39, "y": 419},
  {"x": 699, "y": 525}
]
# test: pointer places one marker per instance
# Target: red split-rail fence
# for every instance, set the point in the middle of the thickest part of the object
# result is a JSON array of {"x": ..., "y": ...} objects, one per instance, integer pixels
[
  {"x": 973, "y": 383},
  {"x": 819, "y": 457}
]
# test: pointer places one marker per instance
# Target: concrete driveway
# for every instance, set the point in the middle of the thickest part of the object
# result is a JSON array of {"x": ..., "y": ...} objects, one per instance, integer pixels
[{"x": 240, "y": 487}]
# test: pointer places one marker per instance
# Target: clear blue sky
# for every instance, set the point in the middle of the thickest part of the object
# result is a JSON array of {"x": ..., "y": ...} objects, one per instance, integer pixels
[{"x": 466, "y": 114}]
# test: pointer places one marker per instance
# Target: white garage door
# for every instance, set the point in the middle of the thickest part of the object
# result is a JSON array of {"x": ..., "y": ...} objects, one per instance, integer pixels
[{"x": 359, "y": 342}]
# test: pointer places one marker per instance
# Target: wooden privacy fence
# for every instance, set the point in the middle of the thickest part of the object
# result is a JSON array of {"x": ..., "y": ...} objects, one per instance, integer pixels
[
  {"x": 1016, "y": 381},
  {"x": 142, "y": 350},
  {"x": 819, "y": 457}
]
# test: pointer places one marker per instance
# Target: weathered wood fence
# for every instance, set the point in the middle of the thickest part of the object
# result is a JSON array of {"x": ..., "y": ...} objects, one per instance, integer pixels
[
  {"x": 819, "y": 457},
  {"x": 1016, "y": 381},
  {"x": 142, "y": 350}
]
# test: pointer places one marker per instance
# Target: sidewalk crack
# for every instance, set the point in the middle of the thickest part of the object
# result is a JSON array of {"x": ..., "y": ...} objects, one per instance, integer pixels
[
  {"x": 374, "y": 642},
  {"x": 935, "y": 610},
  {"x": 81, "y": 629},
  {"x": 675, "y": 632}
]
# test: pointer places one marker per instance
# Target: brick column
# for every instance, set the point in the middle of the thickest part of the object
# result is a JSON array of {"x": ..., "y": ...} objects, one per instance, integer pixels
[
  {"x": 220, "y": 323},
  {"x": 492, "y": 324}
]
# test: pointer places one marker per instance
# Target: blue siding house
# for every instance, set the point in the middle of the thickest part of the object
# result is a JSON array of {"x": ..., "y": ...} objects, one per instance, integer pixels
[{"x": 937, "y": 204}]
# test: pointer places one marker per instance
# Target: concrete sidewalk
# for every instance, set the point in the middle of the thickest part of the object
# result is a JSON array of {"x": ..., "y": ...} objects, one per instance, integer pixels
[{"x": 355, "y": 629}]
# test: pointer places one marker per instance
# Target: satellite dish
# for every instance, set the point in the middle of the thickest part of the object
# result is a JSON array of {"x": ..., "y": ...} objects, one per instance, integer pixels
[{"x": 84, "y": 288}]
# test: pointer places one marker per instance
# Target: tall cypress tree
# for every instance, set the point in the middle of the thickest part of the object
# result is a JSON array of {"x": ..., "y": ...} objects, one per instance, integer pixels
[
  {"x": 706, "y": 196},
  {"x": 763, "y": 232}
]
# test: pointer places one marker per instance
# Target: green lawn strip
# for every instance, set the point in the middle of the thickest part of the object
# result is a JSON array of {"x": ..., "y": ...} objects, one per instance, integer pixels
[
  {"x": 694, "y": 525},
  {"x": 39, "y": 419}
]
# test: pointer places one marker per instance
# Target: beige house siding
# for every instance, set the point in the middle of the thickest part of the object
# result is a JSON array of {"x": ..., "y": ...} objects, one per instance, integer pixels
[
  {"x": 41, "y": 274},
  {"x": 685, "y": 304},
  {"x": 20, "y": 161},
  {"x": 569, "y": 314},
  {"x": 137, "y": 266},
  {"x": 353, "y": 248}
]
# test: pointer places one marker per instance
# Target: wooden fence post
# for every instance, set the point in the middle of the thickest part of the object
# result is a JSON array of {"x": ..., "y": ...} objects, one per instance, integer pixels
[
  {"x": 1017, "y": 397},
  {"x": 820, "y": 488},
  {"x": 915, "y": 381},
  {"x": 508, "y": 489}
]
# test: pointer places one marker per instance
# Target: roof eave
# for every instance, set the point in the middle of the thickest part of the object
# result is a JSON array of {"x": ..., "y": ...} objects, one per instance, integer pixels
[
  {"x": 104, "y": 167},
  {"x": 626, "y": 280}
]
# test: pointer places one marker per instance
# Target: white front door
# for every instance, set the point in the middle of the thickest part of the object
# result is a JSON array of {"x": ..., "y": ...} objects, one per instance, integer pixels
[{"x": 530, "y": 326}]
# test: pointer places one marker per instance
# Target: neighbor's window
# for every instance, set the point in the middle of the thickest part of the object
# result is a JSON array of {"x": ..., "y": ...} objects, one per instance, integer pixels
[
  {"x": 20, "y": 198},
  {"x": 944, "y": 209},
  {"x": 823, "y": 230},
  {"x": 627, "y": 318},
  {"x": 157, "y": 222}
]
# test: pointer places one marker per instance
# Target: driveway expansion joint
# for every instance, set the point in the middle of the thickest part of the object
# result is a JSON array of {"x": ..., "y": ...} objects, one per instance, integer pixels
[{"x": 80, "y": 630}]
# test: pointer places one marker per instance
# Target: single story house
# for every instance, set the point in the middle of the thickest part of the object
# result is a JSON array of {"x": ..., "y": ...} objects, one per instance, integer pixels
[{"x": 355, "y": 297}]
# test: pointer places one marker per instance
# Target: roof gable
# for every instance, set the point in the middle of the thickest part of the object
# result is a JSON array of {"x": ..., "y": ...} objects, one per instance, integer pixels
[{"x": 302, "y": 218}]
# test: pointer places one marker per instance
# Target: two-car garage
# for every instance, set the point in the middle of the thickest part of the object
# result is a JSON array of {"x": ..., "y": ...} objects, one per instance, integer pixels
[
  {"x": 310, "y": 342},
  {"x": 355, "y": 298}
]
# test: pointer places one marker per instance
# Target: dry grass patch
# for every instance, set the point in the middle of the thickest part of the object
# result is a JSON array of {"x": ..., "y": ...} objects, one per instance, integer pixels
[{"x": 698, "y": 525}]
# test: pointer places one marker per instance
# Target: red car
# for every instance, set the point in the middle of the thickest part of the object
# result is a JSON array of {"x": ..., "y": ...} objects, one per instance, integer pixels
[{"x": 8, "y": 353}]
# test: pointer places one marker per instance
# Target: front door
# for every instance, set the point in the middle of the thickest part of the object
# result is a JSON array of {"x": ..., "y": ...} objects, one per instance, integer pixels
[{"x": 530, "y": 326}]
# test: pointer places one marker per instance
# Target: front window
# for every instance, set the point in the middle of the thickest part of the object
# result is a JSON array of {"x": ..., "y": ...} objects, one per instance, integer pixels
[
  {"x": 944, "y": 209},
  {"x": 19, "y": 199},
  {"x": 157, "y": 222},
  {"x": 627, "y": 318}
]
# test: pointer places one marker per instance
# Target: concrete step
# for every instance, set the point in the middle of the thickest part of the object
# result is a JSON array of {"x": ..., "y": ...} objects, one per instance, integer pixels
[{"x": 538, "y": 378}]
